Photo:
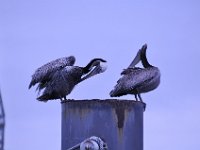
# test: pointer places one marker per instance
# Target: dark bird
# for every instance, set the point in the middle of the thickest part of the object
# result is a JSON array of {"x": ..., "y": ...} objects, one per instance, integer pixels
[
  {"x": 137, "y": 80},
  {"x": 62, "y": 82},
  {"x": 92, "y": 143}
]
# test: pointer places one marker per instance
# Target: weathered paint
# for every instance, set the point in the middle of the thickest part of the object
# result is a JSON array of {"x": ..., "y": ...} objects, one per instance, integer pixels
[{"x": 118, "y": 122}]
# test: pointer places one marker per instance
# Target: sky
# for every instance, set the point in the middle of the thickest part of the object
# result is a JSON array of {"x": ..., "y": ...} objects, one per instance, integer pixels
[{"x": 35, "y": 32}]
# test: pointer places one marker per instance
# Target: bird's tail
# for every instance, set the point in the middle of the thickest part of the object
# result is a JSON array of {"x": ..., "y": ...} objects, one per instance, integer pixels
[
  {"x": 112, "y": 93},
  {"x": 43, "y": 98},
  {"x": 115, "y": 93},
  {"x": 30, "y": 85}
]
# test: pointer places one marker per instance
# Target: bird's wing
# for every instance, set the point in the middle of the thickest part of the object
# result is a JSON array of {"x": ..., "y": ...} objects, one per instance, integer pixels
[
  {"x": 44, "y": 73},
  {"x": 130, "y": 81},
  {"x": 129, "y": 70},
  {"x": 50, "y": 87},
  {"x": 62, "y": 81}
]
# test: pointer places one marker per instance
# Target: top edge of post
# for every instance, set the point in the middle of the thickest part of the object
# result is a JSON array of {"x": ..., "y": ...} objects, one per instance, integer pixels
[{"x": 114, "y": 102}]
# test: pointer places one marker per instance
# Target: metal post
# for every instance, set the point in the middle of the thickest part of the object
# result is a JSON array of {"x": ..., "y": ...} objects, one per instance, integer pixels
[
  {"x": 2, "y": 123},
  {"x": 118, "y": 122}
]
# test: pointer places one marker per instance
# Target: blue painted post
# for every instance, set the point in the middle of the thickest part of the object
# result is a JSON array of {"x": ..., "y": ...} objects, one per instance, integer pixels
[{"x": 118, "y": 122}]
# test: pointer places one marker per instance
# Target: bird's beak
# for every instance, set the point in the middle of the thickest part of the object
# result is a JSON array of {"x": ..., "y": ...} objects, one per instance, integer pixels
[
  {"x": 103, "y": 60},
  {"x": 135, "y": 60},
  {"x": 96, "y": 70}
]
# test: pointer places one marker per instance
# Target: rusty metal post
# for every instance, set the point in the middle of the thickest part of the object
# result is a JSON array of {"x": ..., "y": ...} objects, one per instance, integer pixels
[{"x": 118, "y": 122}]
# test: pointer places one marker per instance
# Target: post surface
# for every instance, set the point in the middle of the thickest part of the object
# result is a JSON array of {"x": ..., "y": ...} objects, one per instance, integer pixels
[{"x": 118, "y": 122}]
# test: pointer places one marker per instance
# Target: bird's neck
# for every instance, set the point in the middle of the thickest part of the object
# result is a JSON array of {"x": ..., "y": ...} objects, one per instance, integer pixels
[
  {"x": 89, "y": 66},
  {"x": 145, "y": 62},
  {"x": 86, "y": 70}
]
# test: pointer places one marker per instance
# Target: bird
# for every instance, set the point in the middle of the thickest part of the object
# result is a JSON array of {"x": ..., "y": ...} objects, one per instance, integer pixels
[
  {"x": 136, "y": 80},
  {"x": 44, "y": 73},
  {"x": 92, "y": 143},
  {"x": 62, "y": 82}
]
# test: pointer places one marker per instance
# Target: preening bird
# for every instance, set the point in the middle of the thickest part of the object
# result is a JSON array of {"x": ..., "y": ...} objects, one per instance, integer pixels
[
  {"x": 62, "y": 81},
  {"x": 92, "y": 143},
  {"x": 137, "y": 80}
]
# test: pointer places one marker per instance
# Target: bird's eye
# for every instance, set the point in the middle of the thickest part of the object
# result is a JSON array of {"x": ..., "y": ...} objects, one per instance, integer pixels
[{"x": 61, "y": 66}]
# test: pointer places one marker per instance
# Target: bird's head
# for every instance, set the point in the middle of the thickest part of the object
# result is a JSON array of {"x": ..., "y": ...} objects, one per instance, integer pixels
[
  {"x": 94, "y": 67},
  {"x": 94, "y": 62},
  {"x": 143, "y": 50},
  {"x": 71, "y": 60},
  {"x": 144, "y": 46}
]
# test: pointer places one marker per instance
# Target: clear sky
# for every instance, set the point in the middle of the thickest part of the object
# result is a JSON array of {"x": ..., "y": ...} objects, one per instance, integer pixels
[{"x": 33, "y": 32}]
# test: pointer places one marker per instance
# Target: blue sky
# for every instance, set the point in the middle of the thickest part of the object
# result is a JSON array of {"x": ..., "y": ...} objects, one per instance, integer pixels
[{"x": 37, "y": 31}]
